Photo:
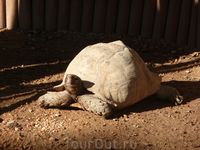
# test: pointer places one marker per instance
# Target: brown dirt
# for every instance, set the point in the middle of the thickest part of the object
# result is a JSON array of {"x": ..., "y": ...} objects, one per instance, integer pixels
[{"x": 32, "y": 62}]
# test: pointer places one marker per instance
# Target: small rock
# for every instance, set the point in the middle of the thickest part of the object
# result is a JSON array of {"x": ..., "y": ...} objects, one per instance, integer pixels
[
  {"x": 147, "y": 144},
  {"x": 187, "y": 71},
  {"x": 126, "y": 119},
  {"x": 183, "y": 132},
  {"x": 125, "y": 116},
  {"x": 43, "y": 128},
  {"x": 66, "y": 138},
  {"x": 138, "y": 126},
  {"x": 14, "y": 125},
  {"x": 57, "y": 115},
  {"x": 177, "y": 111},
  {"x": 16, "y": 129},
  {"x": 195, "y": 54},
  {"x": 188, "y": 111},
  {"x": 30, "y": 110},
  {"x": 135, "y": 134},
  {"x": 52, "y": 139}
]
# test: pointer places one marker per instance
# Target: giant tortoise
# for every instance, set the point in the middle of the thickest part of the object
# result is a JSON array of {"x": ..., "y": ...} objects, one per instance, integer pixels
[{"x": 107, "y": 76}]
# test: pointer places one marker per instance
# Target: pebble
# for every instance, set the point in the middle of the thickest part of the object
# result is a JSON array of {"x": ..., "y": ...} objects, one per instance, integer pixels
[
  {"x": 66, "y": 138},
  {"x": 14, "y": 125},
  {"x": 187, "y": 71},
  {"x": 183, "y": 132},
  {"x": 177, "y": 111},
  {"x": 30, "y": 110},
  {"x": 126, "y": 119},
  {"x": 195, "y": 54},
  {"x": 17, "y": 129},
  {"x": 135, "y": 134},
  {"x": 43, "y": 128},
  {"x": 57, "y": 115},
  {"x": 125, "y": 116},
  {"x": 188, "y": 111},
  {"x": 51, "y": 139},
  {"x": 138, "y": 126}
]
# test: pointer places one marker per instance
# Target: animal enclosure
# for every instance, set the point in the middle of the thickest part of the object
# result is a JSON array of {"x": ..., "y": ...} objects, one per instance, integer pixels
[{"x": 172, "y": 20}]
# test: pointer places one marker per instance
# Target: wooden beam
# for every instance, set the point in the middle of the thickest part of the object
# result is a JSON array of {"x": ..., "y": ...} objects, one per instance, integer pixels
[
  {"x": 24, "y": 14},
  {"x": 11, "y": 14},
  {"x": 148, "y": 18},
  {"x": 87, "y": 15},
  {"x": 38, "y": 7},
  {"x": 135, "y": 19},
  {"x": 160, "y": 19},
  {"x": 123, "y": 16},
  {"x": 2, "y": 14}
]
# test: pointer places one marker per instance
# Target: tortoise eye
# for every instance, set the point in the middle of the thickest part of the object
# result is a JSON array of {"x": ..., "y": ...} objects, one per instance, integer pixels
[{"x": 75, "y": 78}]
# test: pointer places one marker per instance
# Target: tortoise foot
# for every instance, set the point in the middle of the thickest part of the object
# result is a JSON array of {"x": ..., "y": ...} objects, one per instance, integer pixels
[
  {"x": 55, "y": 99},
  {"x": 95, "y": 105},
  {"x": 171, "y": 94}
]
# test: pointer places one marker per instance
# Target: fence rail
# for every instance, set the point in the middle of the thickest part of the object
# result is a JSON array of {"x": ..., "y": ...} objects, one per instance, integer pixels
[{"x": 171, "y": 20}]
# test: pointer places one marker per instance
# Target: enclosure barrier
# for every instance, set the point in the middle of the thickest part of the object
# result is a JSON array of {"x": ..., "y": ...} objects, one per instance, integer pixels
[{"x": 172, "y": 20}]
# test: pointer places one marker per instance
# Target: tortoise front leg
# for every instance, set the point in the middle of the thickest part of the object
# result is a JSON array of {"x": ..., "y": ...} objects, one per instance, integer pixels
[
  {"x": 55, "y": 99},
  {"x": 93, "y": 104}
]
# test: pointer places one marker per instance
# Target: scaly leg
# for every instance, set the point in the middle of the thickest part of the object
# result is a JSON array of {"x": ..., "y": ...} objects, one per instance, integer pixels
[
  {"x": 93, "y": 104},
  {"x": 170, "y": 93},
  {"x": 55, "y": 99}
]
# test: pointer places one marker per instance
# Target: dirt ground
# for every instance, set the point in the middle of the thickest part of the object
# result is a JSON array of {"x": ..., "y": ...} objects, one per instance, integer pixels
[{"x": 32, "y": 62}]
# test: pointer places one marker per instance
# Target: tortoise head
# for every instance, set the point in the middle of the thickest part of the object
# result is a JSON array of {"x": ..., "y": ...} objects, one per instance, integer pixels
[{"x": 73, "y": 84}]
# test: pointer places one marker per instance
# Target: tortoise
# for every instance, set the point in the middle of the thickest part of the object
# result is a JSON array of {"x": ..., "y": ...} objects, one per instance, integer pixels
[{"x": 107, "y": 76}]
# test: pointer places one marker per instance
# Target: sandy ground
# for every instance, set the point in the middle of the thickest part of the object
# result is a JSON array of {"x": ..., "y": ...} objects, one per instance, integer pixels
[{"x": 32, "y": 62}]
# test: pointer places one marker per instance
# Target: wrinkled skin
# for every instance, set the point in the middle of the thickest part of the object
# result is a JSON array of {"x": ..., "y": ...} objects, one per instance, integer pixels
[
  {"x": 169, "y": 93},
  {"x": 73, "y": 85},
  {"x": 73, "y": 92}
]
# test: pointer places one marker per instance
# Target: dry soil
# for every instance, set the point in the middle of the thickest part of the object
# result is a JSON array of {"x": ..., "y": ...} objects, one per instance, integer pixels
[{"x": 32, "y": 62}]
